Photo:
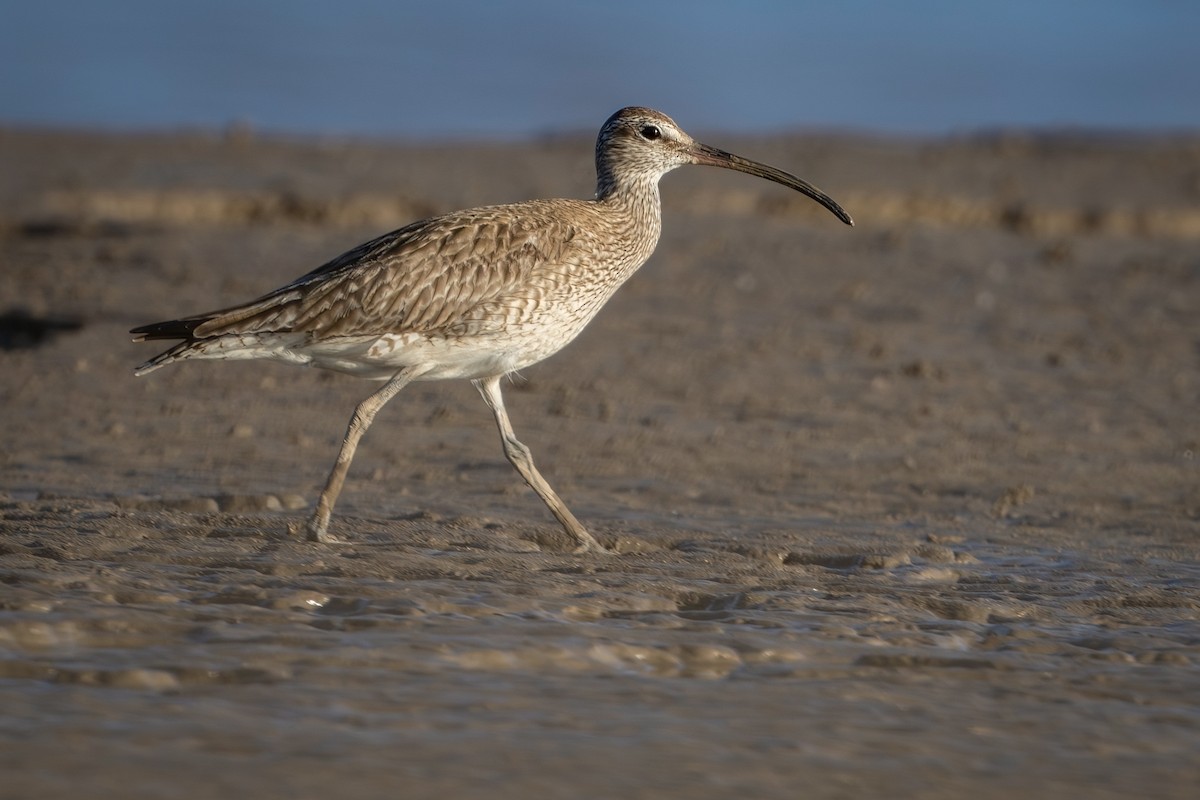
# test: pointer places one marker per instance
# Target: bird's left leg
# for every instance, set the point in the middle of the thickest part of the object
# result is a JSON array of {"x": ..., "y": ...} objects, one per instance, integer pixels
[{"x": 364, "y": 414}]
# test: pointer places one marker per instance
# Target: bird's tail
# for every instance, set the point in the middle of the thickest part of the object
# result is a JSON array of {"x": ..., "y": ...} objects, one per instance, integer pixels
[
  {"x": 170, "y": 329},
  {"x": 225, "y": 347}
]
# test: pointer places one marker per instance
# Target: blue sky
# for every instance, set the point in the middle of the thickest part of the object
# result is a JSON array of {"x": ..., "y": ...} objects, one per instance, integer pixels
[{"x": 520, "y": 68}]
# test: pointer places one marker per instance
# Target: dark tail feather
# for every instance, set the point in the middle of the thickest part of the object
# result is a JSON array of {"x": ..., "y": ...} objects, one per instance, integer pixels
[{"x": 171, "y": 329}]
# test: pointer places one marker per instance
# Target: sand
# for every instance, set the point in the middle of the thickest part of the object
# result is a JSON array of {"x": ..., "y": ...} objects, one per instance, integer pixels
[{"x": 910, "y": 509}]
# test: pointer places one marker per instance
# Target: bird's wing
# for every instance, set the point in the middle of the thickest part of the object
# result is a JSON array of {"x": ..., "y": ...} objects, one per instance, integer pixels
[{"x": 425, "y": 277}]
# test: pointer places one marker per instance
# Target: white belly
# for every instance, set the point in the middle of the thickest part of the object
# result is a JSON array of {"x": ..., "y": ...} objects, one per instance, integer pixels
[{"x": 450, "y": 357}]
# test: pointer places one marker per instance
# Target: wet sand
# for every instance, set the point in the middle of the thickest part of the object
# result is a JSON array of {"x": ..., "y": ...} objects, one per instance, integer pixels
[{"x": 910, "y": 509}]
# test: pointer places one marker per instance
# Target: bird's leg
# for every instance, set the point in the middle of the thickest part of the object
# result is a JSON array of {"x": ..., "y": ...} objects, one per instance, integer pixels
[
  {"x": 364, "y": 414},
  {"x": 520, "y": 457}
]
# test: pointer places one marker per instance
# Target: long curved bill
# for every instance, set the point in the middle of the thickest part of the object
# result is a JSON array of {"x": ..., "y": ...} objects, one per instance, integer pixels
[{"x": 711, "y": 156}]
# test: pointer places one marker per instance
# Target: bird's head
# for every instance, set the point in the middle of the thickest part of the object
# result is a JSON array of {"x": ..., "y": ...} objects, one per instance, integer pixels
[{"x": 640, "y": 145}]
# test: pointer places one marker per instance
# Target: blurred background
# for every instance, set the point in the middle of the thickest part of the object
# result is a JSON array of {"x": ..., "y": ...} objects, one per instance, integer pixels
[{"x": 516, "y": 69}]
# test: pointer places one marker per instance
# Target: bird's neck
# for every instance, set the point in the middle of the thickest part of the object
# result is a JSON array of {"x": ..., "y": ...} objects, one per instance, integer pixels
[{"x": 635, "y": 206}]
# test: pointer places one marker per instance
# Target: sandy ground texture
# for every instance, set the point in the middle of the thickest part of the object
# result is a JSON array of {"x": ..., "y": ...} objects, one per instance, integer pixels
[{"x": 910, "y": 509}]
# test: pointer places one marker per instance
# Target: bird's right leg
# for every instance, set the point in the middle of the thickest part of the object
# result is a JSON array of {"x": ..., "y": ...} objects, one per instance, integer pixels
[
  {"x": 520, "y": 457},
  {"x": 364, "y": 414}
]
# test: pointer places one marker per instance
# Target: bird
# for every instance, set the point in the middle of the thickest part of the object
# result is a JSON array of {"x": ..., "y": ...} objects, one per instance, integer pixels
[{"x": 476, "y": 294}]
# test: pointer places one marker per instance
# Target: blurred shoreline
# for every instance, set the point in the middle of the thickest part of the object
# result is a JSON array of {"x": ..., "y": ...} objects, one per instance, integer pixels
[{"x": 1014, "y": 174}]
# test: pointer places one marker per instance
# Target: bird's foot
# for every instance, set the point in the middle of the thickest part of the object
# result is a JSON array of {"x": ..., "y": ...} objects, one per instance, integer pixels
[
  {"x": 317, "y": 530},
  {"x": 588, "y": 543}
]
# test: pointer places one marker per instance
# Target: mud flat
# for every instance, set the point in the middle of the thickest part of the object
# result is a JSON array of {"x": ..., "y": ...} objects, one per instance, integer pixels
[{"x": 906, "y": 510}]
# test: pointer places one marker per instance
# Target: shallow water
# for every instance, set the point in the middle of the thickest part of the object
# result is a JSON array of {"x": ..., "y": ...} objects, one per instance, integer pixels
[{"x": 179, "y": 647}]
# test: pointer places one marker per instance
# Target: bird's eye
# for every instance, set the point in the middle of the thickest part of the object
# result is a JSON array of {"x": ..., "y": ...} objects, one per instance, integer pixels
[{"x": 650, "y": 132}]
